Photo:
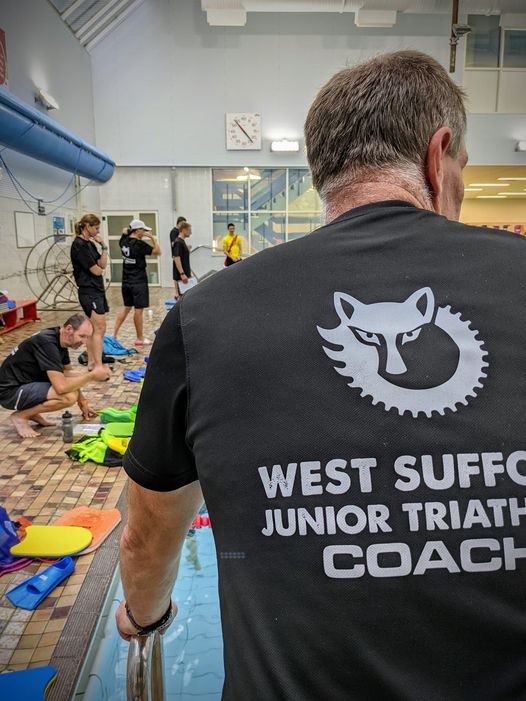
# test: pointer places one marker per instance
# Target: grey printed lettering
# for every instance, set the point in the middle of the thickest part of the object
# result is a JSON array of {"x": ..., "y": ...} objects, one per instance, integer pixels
[{"x": 467, "y": 547}]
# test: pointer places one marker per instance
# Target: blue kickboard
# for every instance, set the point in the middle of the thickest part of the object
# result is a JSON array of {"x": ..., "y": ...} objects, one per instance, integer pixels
[
  {"x": 30, "y": 593},
  {"x": 26, "y": 685}
]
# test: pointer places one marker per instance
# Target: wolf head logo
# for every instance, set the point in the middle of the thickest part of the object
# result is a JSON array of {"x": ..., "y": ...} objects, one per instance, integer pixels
[
  {"x": 387, "y": 322},
  {"x": 370, "y": 338}
]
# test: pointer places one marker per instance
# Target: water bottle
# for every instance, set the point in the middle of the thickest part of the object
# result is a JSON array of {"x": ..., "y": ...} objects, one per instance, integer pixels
[
  {"x": 67, "y": 427},
  {"x": 150, "y": 314}
]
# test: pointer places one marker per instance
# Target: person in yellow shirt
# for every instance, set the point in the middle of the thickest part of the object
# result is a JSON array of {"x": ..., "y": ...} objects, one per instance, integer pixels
[{"x": 232, "y": 246}]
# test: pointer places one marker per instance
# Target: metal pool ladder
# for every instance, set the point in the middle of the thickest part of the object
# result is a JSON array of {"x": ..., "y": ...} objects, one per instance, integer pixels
[{"x": 144, "y": 678}]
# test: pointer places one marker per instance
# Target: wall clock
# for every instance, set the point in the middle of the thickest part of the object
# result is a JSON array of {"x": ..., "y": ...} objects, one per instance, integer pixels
[{"x": 243, "y": 131}]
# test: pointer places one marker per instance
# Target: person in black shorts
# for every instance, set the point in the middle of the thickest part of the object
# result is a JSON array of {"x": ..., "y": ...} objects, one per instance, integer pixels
[
  {"x": 181, "y": 258},
  {"x": 359, "y": 442},
  {"x": 36, "y": 377},
  {"x": 89, "y": 263},
  {"x": 174, "y": 233},
  {"x": 135, "y": 293}
]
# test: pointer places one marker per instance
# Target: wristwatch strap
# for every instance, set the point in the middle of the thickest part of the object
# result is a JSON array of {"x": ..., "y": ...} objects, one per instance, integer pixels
[{"x": 146, "y": 630}]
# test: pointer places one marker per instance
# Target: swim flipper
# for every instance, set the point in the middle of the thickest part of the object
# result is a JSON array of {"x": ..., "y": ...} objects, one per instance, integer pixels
[
  {"x": 30, "y": 593},
  {"x": 27, "y": 684}
]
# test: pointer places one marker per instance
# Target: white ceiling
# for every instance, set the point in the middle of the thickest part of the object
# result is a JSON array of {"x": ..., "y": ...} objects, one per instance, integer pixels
[
  {"x": 368, "y": 13},
  {"x": 92, "y": 20}
]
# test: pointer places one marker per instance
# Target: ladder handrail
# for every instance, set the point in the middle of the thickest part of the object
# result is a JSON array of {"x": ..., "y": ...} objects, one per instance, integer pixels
[{"x": 144, "y": 677}]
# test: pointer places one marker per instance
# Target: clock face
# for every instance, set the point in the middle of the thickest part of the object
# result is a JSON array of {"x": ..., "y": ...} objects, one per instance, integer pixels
[{"x": 243, "y": 131}]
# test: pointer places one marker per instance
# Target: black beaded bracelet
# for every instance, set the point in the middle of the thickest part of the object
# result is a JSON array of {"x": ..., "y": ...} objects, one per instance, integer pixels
[{"x": 146, "y": 630}]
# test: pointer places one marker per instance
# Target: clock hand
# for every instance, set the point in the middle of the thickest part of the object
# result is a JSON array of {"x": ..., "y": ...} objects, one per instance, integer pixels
[{"x": 244, "y": 132}]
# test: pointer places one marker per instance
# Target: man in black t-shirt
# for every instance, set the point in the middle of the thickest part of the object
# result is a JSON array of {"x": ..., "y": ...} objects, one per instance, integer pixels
[
  {"x": 181, "y": 257},
  {"x": 89, "y": 265},
  {"x": 174, "y": 233},
  {"x": 135, "y": 292},
  {"x": 36, "y": 377},
  {"x": 358, "y": 442}
]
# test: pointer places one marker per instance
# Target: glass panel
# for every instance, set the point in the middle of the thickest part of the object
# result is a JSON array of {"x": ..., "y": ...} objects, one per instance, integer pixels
[
  {"x": 240, "y": 221},
  {"x": 150, "y": 220},
  {"x": 267, "y": 230},
  {"x": 302, "y": 195},
  {"x": 153, "y": 275},
  {"x": 116, "y": 271},
  {"x": 483, "y": 42},
  {"x": 268, "y": 193},
  {"x": 115, "y": 251},
  {"x": 229, "y": 192},
  {"x": 514, "y": 49},
  {"x": 302, "y": 223},
  {"x": 118, "y": 222}
]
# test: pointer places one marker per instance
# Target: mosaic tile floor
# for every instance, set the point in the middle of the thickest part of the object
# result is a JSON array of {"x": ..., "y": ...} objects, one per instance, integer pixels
[{"x": 38, "y": 481}]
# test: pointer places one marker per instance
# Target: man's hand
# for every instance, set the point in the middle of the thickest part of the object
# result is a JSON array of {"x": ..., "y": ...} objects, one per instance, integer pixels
[
  {"x": 126, "y": 628},
  {"x": 100, "y": 374},
  {"x": 87, "y": 412}
]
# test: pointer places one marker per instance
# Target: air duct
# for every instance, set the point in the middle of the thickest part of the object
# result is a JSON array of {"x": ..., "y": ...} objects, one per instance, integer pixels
[{"x": 28, "y": 131}]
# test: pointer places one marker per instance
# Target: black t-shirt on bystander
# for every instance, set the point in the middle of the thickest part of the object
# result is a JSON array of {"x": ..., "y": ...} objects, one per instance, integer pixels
[
  {"x": 31, "y": 359},
  {"x": 359, "y": 443},
  {"x": 181, "y": 249},
  {"x": 84, "y": 255},
  {"x": 134, "y": 252}
]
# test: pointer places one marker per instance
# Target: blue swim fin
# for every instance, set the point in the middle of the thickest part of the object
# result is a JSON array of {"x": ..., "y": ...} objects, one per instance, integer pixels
[
  {"x": 28, "y": 684},
  {"x": 30, "y": 593}
]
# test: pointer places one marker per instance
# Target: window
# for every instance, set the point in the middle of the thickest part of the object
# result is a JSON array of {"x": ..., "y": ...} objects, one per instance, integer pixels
[
  {"x": 514, "y": 55},
  {"x": 268, "y": 206},
  {"x": 483, "y": 42},
  {"x": 490, "y": 46}
]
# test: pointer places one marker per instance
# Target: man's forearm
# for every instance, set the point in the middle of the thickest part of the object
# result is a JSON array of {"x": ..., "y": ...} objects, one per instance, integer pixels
[{"x": 151, "y": 546}]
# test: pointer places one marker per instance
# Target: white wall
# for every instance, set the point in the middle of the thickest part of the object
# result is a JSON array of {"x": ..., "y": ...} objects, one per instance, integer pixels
[
  {"x": 42, "y": 53},
  {"x": 164, "y": 79}
]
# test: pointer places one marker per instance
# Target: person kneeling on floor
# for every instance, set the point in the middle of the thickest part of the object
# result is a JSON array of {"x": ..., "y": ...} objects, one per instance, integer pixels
[{"x": 36, "y": 377}]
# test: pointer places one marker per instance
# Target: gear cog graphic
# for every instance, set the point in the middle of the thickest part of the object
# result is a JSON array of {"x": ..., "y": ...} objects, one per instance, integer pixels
[{"x": 360, "y": 363}]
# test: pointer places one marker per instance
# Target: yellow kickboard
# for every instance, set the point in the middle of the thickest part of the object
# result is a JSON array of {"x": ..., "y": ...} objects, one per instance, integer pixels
[{"x": 52, "y": 541}]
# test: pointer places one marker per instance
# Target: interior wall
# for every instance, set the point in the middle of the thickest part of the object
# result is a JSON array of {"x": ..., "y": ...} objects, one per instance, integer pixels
[
  {"x": 171, "y": 193},
  {"x": 177, "y": 77},
  {"x": 492, "y": 212},
  {"x": 42, "y": 53}
]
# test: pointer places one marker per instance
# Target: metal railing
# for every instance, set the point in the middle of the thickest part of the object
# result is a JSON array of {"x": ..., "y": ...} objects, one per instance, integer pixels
[{"x": 144, "y": 677}]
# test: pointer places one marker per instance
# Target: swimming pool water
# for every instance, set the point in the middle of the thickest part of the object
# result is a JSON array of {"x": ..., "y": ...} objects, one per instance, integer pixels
[{"x": 193, "y": 645}]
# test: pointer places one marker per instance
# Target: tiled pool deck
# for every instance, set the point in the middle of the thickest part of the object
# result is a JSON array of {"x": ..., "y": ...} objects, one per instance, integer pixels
[{"x": 38, "y": 481}]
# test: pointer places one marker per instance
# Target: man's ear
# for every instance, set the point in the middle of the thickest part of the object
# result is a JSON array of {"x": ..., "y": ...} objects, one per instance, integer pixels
[{"x": 434, "y": 164}]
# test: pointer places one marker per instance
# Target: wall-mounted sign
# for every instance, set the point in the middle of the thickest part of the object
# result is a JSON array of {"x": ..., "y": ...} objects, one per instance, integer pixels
[
  {"x": 3, "y": 59},
  {"x": 59, "y": 228}
]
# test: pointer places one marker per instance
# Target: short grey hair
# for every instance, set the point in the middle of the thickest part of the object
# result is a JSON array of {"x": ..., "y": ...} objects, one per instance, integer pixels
[
  {"x": 75, "y": 321},
  {"x": 379, "y": 117}
]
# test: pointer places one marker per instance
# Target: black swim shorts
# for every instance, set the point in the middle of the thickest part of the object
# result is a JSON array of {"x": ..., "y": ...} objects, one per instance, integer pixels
[
  {"x": 93, "y": 302},
  {"x": 137, "y": 296},
  {"x": 25, "y": 396}
]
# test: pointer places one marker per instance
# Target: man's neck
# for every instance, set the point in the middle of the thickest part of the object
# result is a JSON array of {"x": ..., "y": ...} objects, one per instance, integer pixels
[{"x": 347, "y": 198}]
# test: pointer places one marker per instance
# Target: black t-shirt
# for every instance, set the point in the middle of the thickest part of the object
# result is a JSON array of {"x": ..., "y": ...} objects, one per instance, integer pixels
[
  {"x": 134, "y": 252},
  {"x": 84, "y": 255},
  {"x": 174, "y": 233},
  {"x": 30, "y": 361},
  {"x": 359, "y": 442},
  {"x": 181, "y": 249}
]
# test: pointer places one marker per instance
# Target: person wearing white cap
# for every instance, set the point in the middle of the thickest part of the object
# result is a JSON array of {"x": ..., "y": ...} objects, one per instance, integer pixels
[{"x": 135, "y": 293}]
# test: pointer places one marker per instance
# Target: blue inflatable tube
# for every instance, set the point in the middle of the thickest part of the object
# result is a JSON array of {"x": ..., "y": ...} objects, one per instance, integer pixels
[{"x": 28, "y": 131}]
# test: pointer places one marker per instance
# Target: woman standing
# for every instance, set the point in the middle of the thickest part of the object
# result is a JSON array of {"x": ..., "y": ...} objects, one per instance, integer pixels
[
  {"x": 135, "y": 293},
  {"x": 89, "y": 256}
]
